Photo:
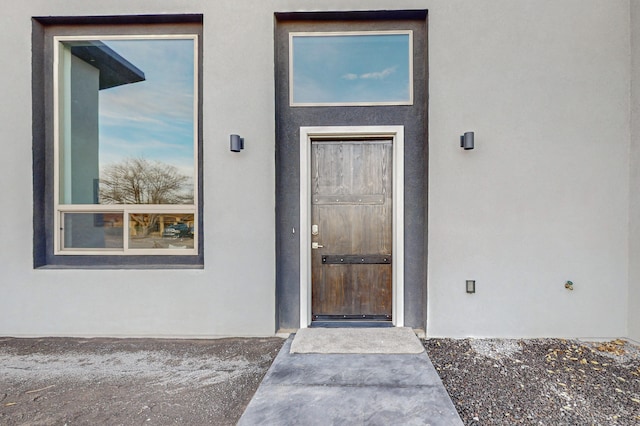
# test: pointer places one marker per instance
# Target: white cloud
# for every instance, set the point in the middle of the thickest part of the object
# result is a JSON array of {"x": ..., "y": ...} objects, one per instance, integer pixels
[
  {"x": 350, "y": 76},
  {"x": 375, "y": 75},
  {"x": 379, "y": 75}
]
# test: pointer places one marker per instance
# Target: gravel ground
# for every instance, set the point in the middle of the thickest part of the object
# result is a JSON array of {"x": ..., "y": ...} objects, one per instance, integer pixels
[
  {"x": 62, "y": 381},
  {"x": 540, "y": 381}
]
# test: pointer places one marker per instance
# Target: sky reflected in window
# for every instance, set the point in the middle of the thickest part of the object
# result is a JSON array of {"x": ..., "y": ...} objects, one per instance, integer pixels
[
  {"x": 151, "y": 119},
  {"x": 351, "y": 68}
]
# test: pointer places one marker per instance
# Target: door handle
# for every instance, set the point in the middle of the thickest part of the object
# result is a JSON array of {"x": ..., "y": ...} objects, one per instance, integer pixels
[{"x": 315, "y": 245}]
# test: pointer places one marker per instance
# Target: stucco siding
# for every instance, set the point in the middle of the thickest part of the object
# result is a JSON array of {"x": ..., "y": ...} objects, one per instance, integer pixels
[
  {"x": 542, "y": 199},
  {"x": 634, "y": 178},
  {"x": 234, "y": 294}
]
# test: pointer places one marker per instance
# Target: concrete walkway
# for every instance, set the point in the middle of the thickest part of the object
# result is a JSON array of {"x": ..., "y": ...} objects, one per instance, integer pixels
[{"x": 350, "y": 389}]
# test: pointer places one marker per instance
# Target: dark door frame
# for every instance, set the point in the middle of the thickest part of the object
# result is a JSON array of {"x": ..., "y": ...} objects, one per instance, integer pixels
[{"x": 289, "y": 120}]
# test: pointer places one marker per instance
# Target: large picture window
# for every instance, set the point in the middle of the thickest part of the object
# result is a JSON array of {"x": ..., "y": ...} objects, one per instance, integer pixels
[
  {"x": 125, "y": 143},
  {"x": 120, "y": 148}
]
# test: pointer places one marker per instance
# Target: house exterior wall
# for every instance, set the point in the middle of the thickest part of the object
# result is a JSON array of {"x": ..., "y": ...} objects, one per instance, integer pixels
[
  {"x": 544, "y": 197},
  {"x": 634, "y": 178}
]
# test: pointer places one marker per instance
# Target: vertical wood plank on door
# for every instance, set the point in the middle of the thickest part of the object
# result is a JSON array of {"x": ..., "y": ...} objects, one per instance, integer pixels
[{"x": 352, "y": 206}]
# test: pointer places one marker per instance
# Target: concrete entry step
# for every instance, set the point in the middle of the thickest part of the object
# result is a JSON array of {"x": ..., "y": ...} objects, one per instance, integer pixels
[
  {"x": 350, "y": 388},
  {"x": 393, "y": 340}
]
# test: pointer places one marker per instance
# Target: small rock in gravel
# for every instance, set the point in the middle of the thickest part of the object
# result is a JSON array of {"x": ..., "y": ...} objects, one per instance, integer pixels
[{"x": 495, "y": 348}]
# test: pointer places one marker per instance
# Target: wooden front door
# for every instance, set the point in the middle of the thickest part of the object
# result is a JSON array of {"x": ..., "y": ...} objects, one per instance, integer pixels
[{"x": 351, "y": 217}]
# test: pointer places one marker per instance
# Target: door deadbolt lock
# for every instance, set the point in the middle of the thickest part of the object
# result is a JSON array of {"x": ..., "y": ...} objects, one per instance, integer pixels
[
  {"x": 315, "y": 245},
  {"x": 314, "y": 229}
]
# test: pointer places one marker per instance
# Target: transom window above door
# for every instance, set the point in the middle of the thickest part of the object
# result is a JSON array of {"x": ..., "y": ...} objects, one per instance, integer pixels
[{"x": 351, "y": 68}]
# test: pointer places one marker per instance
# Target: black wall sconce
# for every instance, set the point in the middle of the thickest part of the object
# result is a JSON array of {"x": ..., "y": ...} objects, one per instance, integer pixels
[
  {"x": 466, "y": 141},
  {"x": 236, "y": 143},
  {"x": 471, "y": 286}
]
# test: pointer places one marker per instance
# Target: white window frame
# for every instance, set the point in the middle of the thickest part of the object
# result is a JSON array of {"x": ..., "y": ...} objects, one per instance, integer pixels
[
  {"x": 349, "y": 33},
  {"x": 125, "y": 209}
]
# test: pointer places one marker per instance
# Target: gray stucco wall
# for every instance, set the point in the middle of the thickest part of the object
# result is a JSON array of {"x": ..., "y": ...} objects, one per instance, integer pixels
[
  {"x": 543, "y": 198},
  {"x": 234, "y": 294},
  {"x": 634, "y": 178}
]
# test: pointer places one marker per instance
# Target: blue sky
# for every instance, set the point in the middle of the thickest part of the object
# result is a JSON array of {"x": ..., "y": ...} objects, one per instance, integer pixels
[
  {"x": 154, "y": 118},
  {"x": 351, "y": 68}
]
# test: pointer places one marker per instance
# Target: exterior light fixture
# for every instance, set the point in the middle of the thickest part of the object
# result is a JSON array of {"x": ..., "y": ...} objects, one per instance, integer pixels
[
  {"x": 236, "y": 143},
  {"x": 471, "y": 286},
  {"x": 466, "y": 141}
]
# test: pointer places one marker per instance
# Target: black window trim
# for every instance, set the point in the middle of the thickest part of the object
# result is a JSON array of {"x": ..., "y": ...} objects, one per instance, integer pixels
[{"x": 43, "y": 30}]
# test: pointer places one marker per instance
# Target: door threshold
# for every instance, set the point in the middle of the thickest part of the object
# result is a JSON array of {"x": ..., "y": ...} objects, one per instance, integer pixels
[{"x": 351, "y": 324}]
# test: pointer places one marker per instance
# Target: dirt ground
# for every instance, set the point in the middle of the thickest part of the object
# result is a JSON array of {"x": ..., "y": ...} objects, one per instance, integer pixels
[{"x": 64, "y": 381}]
